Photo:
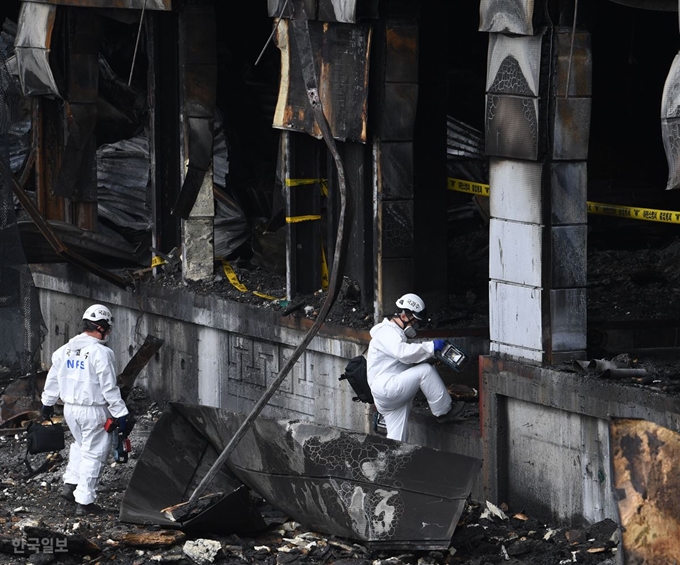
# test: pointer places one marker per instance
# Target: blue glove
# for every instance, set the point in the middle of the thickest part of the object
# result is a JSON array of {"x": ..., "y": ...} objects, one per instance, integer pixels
[
  {"x": 47, "y": 411},
  {"x": 439, "y": 344},
  {"x": 122, "y": 424}
]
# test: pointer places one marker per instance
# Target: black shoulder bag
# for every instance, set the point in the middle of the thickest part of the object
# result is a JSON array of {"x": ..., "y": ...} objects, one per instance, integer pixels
[
  {"x": 356, "y": 375},
  {"x": 43, "y": 439}
]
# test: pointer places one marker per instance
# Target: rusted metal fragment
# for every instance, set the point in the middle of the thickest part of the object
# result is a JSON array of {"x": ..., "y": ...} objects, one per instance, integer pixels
[
  {"x": 647, "y": 487},
  {"x": 32, "y": 47},
  {"x": 176, "y": 455},
  {"x": 165, "y": 5},
  {"x": 507, "y": 16},
  {"x": 670, "y": 123},
  {"x": 126, "y": 380},
  {"x": 341, "y": 55},
  {"x": 383, "y": 492},
  {"x": 21, "y": 397}
]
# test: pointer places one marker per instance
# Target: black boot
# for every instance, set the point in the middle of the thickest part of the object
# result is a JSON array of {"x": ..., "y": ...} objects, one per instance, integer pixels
[
  {"x": 67, "y": 492},
  {"x": 455, "y": 414}
]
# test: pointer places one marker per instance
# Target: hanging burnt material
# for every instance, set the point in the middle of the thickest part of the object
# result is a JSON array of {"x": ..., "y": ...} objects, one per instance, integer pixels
[
  {"x": 341, "y": 56},
  {"x": 670, "y": 121},
  {"x": 76, "y": 177},
  {"x": 33, "y": 49},
  {"x": 647, "y": 489},
  {"x": 198, "y": 62},
  {"x": 383, "y": 492},
  {"x": 22, "y": 329}
]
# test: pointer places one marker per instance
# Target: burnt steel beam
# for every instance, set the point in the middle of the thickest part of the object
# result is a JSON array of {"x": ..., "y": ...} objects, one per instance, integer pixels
[
  {"x": 47, "y": 131},
  {"x": 58, "y": 246},
  {"x": 164, "y": 125},
  {"x": 126, "y": 380}
]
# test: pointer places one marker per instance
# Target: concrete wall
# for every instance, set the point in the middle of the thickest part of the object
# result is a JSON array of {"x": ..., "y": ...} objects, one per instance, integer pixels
[
  {"x": 223, "y": 353},
  {"x": 546, "y": 438}
]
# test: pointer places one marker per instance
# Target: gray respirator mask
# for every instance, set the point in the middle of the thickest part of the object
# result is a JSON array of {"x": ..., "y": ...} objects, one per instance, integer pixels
[{"x": 410, "y": 332}]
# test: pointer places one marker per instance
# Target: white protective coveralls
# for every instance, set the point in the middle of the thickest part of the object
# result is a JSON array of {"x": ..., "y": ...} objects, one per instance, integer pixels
[
  {"x": 396, "y": 371},
  {"x": 83, "y": 374}
]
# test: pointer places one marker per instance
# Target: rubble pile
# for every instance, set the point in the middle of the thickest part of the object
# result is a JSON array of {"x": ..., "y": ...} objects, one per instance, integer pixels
[{"x": 37, "y": 526}]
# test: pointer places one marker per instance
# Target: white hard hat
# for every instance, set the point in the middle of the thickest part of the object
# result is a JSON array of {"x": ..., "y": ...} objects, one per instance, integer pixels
[
  {"x": 413, "y": 303},
  {"x": 97, "y": 313}
]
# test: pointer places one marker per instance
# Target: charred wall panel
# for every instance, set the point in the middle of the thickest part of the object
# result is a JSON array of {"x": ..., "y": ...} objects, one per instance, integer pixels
[
  {"x": 341, "y": 54},
  {"x": 396, "y": 165}
]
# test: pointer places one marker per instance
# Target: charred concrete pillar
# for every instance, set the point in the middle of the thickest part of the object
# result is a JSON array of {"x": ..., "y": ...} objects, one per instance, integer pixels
[
  {"x": 198, "y": 80},
  {"x": 396, "y": 80},
  {"x": 537, "y": 129}
]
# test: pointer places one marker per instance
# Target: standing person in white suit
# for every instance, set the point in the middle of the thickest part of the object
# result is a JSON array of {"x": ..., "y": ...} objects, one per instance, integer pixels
[
  {"x": 397, "y": 369},
  {"x": 83, "y": 375}
]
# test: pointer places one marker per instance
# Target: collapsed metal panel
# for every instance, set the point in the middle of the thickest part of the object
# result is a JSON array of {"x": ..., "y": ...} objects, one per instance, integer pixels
[
  {"x": 380, "y": 491},
  {"x": 647, "y": 488},
  {"x": 341, "y": 53},
  {"x": 176, "y": 456}
]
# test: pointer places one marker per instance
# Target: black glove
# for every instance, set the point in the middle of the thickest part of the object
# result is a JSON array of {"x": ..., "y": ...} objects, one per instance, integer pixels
[
  {"x": 47, "y": 411},
  {"x": 122, "y": 424},
  {"x": 439, "y": 344}
]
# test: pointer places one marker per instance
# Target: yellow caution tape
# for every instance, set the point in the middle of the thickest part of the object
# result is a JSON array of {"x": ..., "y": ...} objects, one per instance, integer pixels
[
  {"x": 265, "y": 296},
  {"x": 634, "y": 213},
  {"x": 238, "y": 285},
  {"x": 304, "y": 182},
  {"x": 231, "y": 276},
  {"x": 157, "y": 261},
  {"x": 631, "y": 212},
  {"x": 296, "y": 219},
  {"x": 470, "y": 187}
]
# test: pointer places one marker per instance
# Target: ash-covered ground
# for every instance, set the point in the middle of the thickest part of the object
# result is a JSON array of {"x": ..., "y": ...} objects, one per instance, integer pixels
[{"x": 37, "y": 526}]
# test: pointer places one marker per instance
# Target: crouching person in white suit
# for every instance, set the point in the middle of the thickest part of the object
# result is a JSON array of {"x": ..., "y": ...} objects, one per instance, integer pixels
[{"x": 397, "y": 370}]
